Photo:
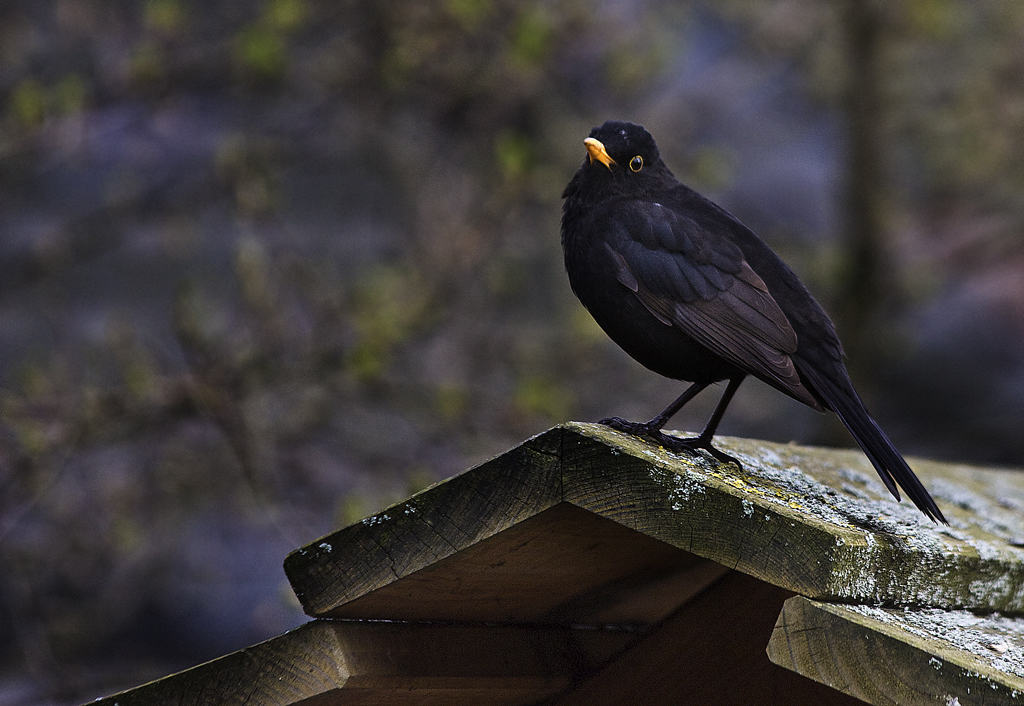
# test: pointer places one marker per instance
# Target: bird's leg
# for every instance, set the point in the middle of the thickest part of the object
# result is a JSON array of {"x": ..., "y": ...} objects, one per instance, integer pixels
[
  {"x": 703, "y": 440},
  {"x": 653, "y": 429},
  {"x": 659, "y": 422},
  {"x": 654, "y": 426}
]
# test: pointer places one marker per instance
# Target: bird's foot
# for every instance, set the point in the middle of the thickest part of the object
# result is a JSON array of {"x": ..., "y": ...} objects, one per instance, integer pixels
[
  {"x": 674, "y": 443},
  {"x": 648, "y": 430},
  {"x": 634, "y": 428}
]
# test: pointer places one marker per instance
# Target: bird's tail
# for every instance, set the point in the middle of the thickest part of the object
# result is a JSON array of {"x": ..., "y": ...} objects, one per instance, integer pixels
[{"x": 892, "y": 468}]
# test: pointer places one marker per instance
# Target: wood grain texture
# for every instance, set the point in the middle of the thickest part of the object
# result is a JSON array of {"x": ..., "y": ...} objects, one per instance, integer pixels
[
  {"x": 562, "y": 566},
  {"x": 588, "y": 566},
  {"x": 903, "y": 656},
  {"x": 345, "y": 663},
  {"x": 427, "y": 527},
  {"x": 813, "y": 521},
  {"x": 681, "y": 502}
]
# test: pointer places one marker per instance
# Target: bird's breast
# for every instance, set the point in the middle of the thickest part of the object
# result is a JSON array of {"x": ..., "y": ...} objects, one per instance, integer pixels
[{"x": 660, "y": 346}]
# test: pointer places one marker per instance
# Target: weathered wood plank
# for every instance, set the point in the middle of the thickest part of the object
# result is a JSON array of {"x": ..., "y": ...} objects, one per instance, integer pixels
[
  {"x": 429, "y": 526},
  {"x": 562, "y": 566},
  {"x": 903, "y": 656},
  {"x": 691, "y": 503},
  {"x": 813, "y": 521},
  {"x": 346, "y": 663},
  {"x": 582, "y": 525}
]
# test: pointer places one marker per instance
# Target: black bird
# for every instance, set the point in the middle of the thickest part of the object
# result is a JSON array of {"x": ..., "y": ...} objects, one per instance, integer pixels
[{"x": 691, "y": 293}]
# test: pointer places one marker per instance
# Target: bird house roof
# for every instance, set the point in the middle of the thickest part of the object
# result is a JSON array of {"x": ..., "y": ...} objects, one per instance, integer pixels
[{"x": 587, "y": 566}]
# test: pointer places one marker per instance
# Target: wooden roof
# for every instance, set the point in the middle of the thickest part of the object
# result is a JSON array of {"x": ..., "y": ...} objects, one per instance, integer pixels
[{"x": 588, "y": 567}]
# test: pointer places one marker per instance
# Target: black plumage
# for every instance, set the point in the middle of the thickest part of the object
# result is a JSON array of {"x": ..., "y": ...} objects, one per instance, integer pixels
[{"x": 693, "y": 294}]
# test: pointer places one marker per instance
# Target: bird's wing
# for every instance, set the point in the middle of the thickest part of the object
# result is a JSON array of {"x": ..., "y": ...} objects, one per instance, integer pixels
[{"x": 699, "y": 281}]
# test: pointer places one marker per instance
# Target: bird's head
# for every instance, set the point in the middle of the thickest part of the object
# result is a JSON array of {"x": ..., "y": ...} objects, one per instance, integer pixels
[{"x": 622, "y": 157}]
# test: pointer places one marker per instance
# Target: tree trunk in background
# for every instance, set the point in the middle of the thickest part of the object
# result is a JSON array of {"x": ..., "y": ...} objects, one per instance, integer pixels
[
  {"x": 862, "y": 277},
  {"x": 865, "y": 278}
]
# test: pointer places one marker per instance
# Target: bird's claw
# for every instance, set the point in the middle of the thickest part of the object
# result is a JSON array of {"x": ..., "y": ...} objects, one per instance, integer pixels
[{"x": 672, "y": 443}]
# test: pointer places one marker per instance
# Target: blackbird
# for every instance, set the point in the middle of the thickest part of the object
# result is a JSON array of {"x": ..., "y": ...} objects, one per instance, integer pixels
[{"x": 692, "y": 294}]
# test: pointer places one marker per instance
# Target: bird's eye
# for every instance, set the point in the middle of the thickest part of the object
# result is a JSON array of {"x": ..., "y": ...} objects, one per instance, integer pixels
[{"x": 637, "y": 163}]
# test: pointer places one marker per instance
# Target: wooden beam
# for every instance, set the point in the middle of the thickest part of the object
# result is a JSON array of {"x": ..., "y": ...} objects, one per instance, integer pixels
[
  {"x": 888, "y": 656},
  {"x": 813, "y": 521},
  {"x": 344, "y": 663},
  {"x": 429, "y": 526},
  {"x": 587, "y": 566},
  {"x": 562, "y": 566},
  {"x": 710, "y": 651}
]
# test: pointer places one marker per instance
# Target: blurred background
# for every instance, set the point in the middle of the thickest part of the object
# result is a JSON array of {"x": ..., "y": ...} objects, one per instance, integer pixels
[{"x": 269, "y": 266}]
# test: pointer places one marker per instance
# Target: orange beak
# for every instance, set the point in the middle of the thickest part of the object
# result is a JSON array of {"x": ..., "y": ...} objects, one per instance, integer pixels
[{"x": 597, "y": 151}]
